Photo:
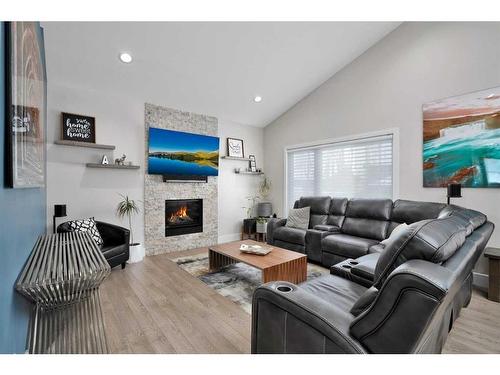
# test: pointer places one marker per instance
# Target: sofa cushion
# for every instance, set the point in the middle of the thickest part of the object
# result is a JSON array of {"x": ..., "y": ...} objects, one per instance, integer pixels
[
  {"x": 298, "y": 218},
  {"x": 432, "y": 240},
  {"x": 405, "y": 211},
  {"x": 290, "y": 246},
  {"x": 87, "y": 225},
  {"x": 319, "y": 209},
  {"x": 293, "y": 235},
  {"x": 335, "y": 290},
  {"x": 319, "y": 205},
  {"x": 367, "y": 218},
  {"x": 368, "y": 228},
  {"x": 336, "y": 214},
  {"x": 473, "y": 218},
  {"x": 346, "y": 245},
  {"x": 379, "y": 209},
  {"x": 400, "y": 228},
  {"x": 409, "y": 212}
]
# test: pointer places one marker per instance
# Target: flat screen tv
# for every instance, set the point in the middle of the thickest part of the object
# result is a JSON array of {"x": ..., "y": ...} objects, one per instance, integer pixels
[{"x": 178, "y": 153}]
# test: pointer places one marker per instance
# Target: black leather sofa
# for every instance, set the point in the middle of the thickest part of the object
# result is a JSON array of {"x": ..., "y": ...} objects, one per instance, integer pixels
[
  {"x": 340, "y": 228},
  {"x": 400, "y": 297},
  {"x": 116, "y": 246}
]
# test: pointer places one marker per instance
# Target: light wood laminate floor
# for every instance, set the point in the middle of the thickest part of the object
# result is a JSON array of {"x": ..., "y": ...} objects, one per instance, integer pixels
[{"x": 156, "y": 307}]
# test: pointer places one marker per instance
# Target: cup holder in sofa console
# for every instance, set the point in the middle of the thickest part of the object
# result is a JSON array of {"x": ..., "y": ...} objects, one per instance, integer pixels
[
  {"x": 353, "y": 262},
  {"x": 284, "y": 289},
  {"x": 347, "y": 266}
]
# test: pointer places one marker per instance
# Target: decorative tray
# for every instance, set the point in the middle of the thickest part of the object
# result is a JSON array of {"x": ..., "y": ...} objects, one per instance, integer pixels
[{"x": 255, "y": 249}]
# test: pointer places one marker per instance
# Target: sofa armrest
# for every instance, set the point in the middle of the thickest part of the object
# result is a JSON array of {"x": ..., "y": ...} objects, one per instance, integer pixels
[
  {"x": 113, "y": 234},
  {"x": 297, "y": 321},
  {"x": 407, "y": 301},
  {"x": 313, "y": 243},
  {"x": 272, "y": 224}
]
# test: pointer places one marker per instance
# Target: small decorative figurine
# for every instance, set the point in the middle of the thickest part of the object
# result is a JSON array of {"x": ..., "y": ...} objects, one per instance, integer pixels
[{"x": 121, "y": 161}]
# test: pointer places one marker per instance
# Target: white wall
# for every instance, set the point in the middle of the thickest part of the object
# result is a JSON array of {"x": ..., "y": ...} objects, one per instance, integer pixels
[
  {"x": 87, "y": 191},
  {"x": 120, "y": 121},
  {"x": 385, "y": 88},
  {"x": 234, "y": 188}
]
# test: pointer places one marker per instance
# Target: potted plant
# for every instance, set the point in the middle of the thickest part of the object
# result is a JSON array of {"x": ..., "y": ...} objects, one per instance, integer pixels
[
  {"x": 126, "y": 208},
  {"x": 261, "y": 225}
]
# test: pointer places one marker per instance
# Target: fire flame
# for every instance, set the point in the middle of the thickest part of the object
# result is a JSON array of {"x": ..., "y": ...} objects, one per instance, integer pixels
[{"x": 181, "y": 212}]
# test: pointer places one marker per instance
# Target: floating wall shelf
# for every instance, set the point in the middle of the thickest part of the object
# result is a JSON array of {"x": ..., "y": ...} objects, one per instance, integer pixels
[
  {"x": 111, "y": 166},
  {"x": 84, "y": 144},
  {"x": 233, "y": 158},
  {"x": 254, "y": 173}
]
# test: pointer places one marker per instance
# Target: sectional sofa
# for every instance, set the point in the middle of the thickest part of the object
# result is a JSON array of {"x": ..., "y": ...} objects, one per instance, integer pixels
[
  {"x": 340, "y": 228},
  {"x": 388, "y": 291}
]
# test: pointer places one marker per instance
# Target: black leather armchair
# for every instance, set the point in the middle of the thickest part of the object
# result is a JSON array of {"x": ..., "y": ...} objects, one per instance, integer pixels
[{"x": 116, "y": 242}]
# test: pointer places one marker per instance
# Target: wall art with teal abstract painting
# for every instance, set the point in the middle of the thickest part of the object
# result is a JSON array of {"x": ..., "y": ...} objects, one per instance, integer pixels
[{"x": 462, "y": 140}]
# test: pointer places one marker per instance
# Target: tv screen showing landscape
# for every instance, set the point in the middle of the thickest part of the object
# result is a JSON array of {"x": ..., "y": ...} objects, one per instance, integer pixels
[{"x": 179, "y": 153}]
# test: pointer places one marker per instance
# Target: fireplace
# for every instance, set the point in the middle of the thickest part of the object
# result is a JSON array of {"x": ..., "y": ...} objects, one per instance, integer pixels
[{"x": 183, "y": 216}]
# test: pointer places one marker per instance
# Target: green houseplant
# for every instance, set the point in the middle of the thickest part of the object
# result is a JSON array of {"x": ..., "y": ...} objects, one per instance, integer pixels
[{"x": 126, "y": 208}]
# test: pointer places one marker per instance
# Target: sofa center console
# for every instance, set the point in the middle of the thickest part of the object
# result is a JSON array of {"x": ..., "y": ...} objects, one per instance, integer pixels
[{"x": 360, "y": 270}]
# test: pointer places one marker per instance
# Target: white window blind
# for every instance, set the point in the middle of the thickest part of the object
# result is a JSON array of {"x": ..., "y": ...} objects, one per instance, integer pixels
[{"x": 359, "y": 168}]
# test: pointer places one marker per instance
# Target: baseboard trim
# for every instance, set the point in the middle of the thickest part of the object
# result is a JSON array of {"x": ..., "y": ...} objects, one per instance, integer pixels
[
  {"x": 229, "y": 237},
  {"x": 480, "y": 280}
]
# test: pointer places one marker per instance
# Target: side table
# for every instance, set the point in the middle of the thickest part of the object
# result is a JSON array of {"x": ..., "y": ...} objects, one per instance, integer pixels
[
  {"x": 493, "y": 255},
  {"x": 249, "y": 229},
  {"x": 62, "y": 278}
]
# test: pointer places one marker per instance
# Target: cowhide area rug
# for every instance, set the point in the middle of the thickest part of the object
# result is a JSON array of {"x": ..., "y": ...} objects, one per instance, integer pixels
[{"x": 237, "y": 281}]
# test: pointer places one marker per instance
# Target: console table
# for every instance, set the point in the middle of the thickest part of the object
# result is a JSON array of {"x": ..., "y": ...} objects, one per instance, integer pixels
[{"x": 61, "y": 278}]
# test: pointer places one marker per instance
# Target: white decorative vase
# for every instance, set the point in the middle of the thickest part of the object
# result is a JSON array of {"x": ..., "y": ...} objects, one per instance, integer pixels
[{"x": 137, "y": 253}]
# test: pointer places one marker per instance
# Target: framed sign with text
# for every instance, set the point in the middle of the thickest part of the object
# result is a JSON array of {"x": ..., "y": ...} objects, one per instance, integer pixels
[{"x": 78, "y": 128}]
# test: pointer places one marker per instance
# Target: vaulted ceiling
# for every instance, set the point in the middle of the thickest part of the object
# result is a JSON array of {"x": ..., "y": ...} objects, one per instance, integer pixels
[{"x": 210, "y": 68}]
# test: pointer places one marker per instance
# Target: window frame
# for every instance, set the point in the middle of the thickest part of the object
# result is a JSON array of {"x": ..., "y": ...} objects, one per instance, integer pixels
[{"x": 394, "y": 132}]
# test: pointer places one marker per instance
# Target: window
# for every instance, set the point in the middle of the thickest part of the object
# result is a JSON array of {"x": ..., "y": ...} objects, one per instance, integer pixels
[{"x": 356, "y": 168}]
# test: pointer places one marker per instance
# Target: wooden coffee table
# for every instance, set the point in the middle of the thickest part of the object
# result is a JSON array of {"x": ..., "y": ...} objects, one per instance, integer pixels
[{"x": 279, "y": 264}]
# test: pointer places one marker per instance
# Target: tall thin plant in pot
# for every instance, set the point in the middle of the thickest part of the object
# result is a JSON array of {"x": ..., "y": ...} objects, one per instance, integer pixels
[{"x": 126, "y": 208}]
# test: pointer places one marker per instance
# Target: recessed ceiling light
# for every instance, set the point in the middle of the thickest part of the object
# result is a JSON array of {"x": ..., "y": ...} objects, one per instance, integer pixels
[
  {"x": 490, "y": 96},
  {"x": 257, "y": 99},
  {"x": 125, "y": 57}
]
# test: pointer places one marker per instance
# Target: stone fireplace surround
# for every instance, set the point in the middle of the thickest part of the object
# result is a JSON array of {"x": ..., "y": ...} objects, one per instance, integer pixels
[{"x": 156, "y": 191}]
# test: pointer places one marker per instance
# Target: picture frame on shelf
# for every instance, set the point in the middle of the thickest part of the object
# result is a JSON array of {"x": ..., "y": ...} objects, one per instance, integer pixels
[
  {"x": 235, "y": 148},
  {"x": 80, "y": 128},
  {"x": 253, "y": 166}
]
